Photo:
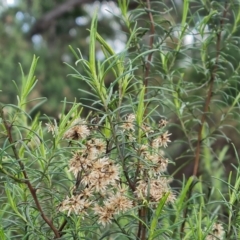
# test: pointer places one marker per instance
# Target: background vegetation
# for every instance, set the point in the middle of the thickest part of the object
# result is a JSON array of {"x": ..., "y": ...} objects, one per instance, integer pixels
[{"x": 158, "y": 60}]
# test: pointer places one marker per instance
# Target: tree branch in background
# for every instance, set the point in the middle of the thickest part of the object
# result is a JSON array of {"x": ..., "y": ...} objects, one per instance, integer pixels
[
  {"x": 45, "y": 21},
  {"x": 42, "y": 24}
]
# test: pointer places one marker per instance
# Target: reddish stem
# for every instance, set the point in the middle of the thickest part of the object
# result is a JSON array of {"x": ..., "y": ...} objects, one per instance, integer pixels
[
  {"x": 27, "y": 182},
  {"x": 210, "y": 91},
  {"x": 143, "y": 210}
]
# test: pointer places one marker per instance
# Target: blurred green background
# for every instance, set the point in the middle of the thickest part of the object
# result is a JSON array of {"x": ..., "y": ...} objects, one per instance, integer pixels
[{"x": 46, "y": 29}]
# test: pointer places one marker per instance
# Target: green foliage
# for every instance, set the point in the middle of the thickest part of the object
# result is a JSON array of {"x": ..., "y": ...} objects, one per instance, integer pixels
[{"x": 99, "y": 171}]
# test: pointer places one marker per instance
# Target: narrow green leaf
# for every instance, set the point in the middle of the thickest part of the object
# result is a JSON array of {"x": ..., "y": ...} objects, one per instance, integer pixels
[
  {"x": 92, "y": 56},
  {"x": 156, "y": 216}
]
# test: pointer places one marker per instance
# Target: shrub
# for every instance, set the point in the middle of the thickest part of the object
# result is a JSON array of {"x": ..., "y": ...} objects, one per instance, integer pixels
[{"x": 104, "y": 175}]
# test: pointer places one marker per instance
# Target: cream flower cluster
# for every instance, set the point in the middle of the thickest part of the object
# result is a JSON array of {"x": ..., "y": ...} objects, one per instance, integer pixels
[
  {"x": 108, "y": 184},
  {"x": 152, "y": 185}
]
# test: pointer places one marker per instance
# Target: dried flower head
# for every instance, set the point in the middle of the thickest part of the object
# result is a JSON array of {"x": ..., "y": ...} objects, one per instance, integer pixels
[
  {"x": 128, "y": 125},
  {"x": 79, "y": 161},
  {"x": 155, "y": 143},
  {"x": 147, "y": 129},
  {"x": 87, "y": 192},
  {"x": 114, "y": 204},
  {"x": 131, "y": 117},
  {"x": 143, "y": 149},
  {"x": 153, "y": 189},
  {"x": 52, "y": 127},
  {"x": 217, "y": 232},
  {"x": 78, "y": 130},
  {"x": 164, "y": 139},
  {"x": 105, "y": 214},
  {"x": 162, "y": 123},
  {"x": 98, "y": 144},
  {"x": 158, "y": 163},
  {"x": 119, "y": 202},
  {"x": 75, "y": 204},
  {"x": 103, "y": 172}
]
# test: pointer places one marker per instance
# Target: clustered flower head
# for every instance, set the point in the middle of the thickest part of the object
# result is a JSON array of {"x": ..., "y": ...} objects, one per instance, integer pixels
[
  {"x": 217, "y": 232},
  {"x": 113, "y": 205},
  {"x": 52, "y": 127},
  {"x": 128, "y": 124},
  {"x": 152, "y": 185},
  {"x": 105, "y": 178},
  {"x": 78, "y": 130},
  {"x": 154, "y": 190},
  {"x": 75, "y": 204}
]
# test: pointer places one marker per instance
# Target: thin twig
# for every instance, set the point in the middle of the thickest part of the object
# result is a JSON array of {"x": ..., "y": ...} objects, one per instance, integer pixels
[
  {"x": 32, "y": 190},
  {"x": 139, "y": 224},
  {"x": 210, "y": 91},
  {"x": 62, "y": 227},
  {"x": 4, "y": 171}
]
